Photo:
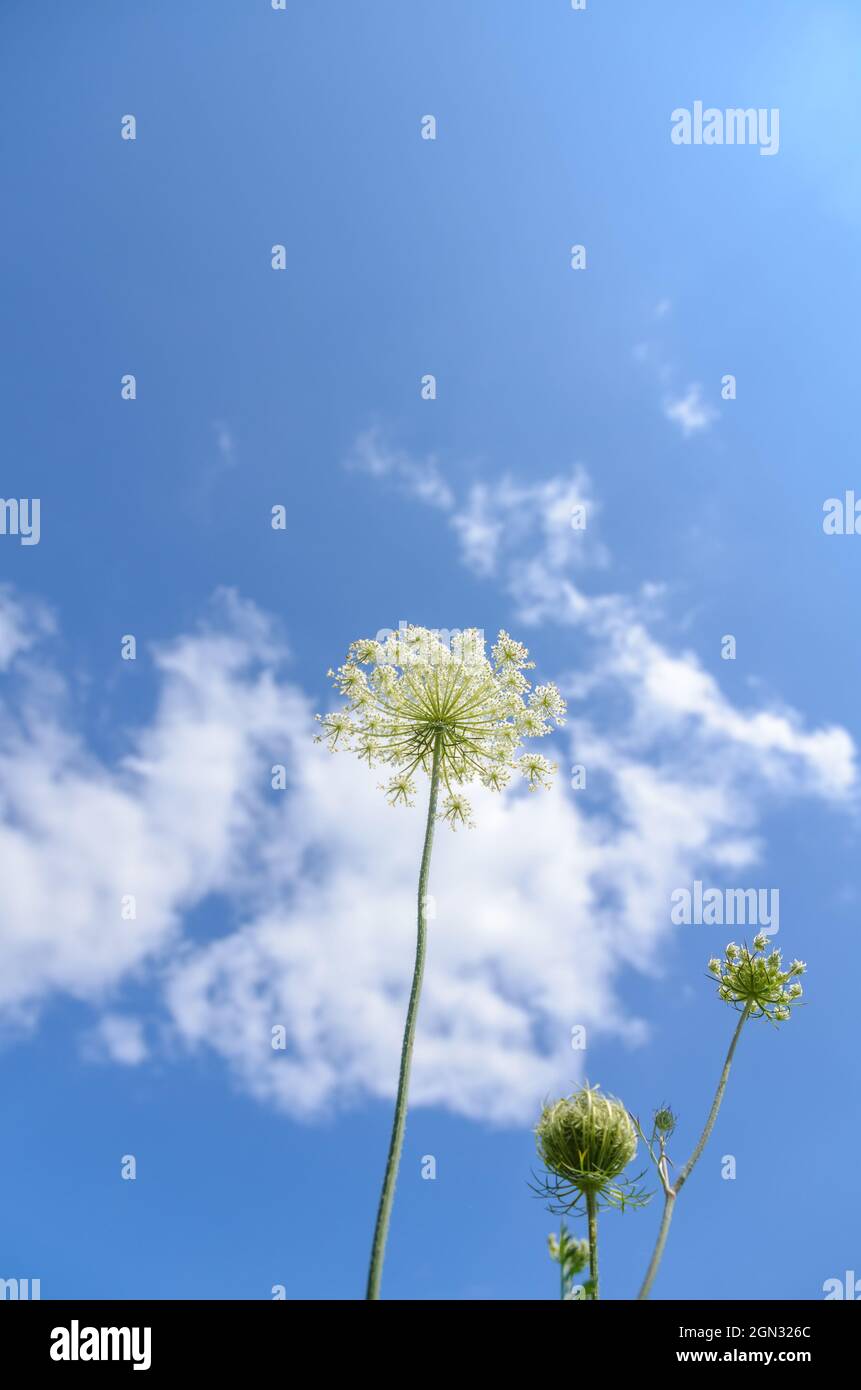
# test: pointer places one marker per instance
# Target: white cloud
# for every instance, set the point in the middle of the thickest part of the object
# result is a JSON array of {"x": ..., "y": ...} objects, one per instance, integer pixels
[
  {"x": 166, "y": 826},
  {"x": 690, "y": 412},
  {"x": 515, "y": 960},
  {"x": 538, "y": 910}
]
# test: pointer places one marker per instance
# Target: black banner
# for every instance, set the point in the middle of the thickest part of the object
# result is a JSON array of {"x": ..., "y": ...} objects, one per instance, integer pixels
[{"x": 153, "y": 1337}]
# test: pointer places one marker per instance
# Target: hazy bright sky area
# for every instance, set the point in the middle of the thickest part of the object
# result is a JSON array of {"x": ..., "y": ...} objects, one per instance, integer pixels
[{"x": 302, "y": 388}]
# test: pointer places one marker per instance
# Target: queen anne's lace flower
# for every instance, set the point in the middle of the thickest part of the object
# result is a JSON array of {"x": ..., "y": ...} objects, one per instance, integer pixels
[
  {"x": 420, "y": 695},
  {"x": 416, "y": 703},
  {"x": 751, "y": 979}
]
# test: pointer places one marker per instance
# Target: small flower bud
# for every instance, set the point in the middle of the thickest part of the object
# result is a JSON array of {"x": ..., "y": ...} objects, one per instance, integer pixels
[{"x": 665, "y": 1120}]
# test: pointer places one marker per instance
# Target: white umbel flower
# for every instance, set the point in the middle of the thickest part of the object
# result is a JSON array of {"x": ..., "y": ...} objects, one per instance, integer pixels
[
  {"x": 414, "y": 695},
  {"x": 755, "y": 982}
]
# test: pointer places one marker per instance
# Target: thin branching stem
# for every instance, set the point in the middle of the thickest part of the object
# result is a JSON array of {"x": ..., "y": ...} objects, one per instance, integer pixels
[
  {"x": 663, "y": 1232},
  {"x": 716, "y": 1103},
  {"x": 671, "y": 1193}
]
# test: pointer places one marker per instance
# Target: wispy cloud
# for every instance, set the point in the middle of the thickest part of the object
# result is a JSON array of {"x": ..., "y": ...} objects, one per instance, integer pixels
[
  {"x": 420, "y": 478},
  {"x": 221, "y": 459},
  {"x": 689, "y": 411},
  {"x": 558, "y": 514},
  {"x": 531, "y": 551},
  {"x": 686, "y": 408},
  {"x": 225, "y": 445},
  {"x": 117, "y": 1038},
  {"x": 23, "y": 623}
]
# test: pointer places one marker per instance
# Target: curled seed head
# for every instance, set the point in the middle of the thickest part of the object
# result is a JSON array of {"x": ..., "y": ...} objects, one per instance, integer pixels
[
  {"x": 665, "y": 1120},
  {"x": 586, "y": 1139}
]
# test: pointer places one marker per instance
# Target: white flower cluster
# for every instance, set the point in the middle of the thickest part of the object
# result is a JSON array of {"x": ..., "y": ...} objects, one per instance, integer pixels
[
  {"x": 753, "y": 978},
  {"x": 422, "y": 697}
]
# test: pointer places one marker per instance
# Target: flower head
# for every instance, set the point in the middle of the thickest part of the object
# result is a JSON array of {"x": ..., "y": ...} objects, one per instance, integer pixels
[
  {"x": 399, "y": 789},
  {"x": 421, "y": 696},
  {"x": 456, "y": 810},
  {"x": 750, "y": 979},
  {"x": 585, "y": 1141}
]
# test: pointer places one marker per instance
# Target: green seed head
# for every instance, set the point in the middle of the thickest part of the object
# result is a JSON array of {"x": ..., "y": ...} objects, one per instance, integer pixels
[
  {"x": 586, "y": 1139},
  {"x": 665, "y": 1120}
]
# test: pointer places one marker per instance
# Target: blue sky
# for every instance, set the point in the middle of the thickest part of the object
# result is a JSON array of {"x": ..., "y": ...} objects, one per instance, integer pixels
[{"x": 301, "y": 388}]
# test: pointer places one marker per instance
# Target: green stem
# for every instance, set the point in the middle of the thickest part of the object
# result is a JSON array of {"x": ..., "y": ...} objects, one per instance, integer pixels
[
  {"x": 670, "y": 1193},
  {"x": 716, "y": 1103},
  {"x": 387, "y": 1196},
  {"x": 592, "y": 1211},
  {"x": 651, "y": 1272}
]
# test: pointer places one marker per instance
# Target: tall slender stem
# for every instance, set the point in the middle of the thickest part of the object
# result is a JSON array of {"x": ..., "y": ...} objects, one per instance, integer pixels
[
  {"x": 592, "y": 1211},
  {"x": 671, "y": 1193},
  {"x": 396, "y": 1143}
]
